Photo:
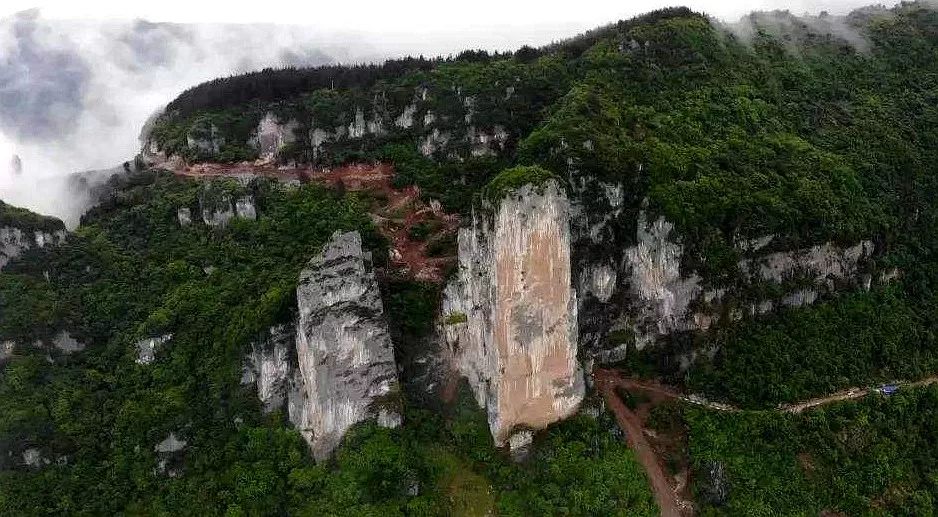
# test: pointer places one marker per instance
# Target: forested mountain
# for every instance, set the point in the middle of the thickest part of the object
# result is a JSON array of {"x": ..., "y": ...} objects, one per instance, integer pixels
[{"x": 409, "y": 288}]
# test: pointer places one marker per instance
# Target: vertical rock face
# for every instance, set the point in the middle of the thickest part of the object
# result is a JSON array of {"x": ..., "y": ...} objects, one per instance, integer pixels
[
  {"x": 272, "y": 136},
  {"x": 510, "y": 318},
  {"x": 65, "y": 343},
  {"x": 14, "y": 241},
  {"x": 147, "y": 348},
  {"x": 184, "y": 216},
  {"x": 205, "y": 139},
  {"x": 665, "y": 300},
  {"x": 218, "y": 212},
  {"x": 271, "y": 367},
  {"x": 661, "y": 296},
  {"x": 346, "y": 362}
]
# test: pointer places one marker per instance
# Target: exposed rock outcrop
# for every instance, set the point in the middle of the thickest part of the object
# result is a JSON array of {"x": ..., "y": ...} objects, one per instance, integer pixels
[
  {"x": 346, "y": 361},
  {"x": 221, "y": 210},
  {"x": 665, "y": 300},
  {"x": 272, "y": 136},
  {"x": 271, "y": 366},
  {"x": 510, "y": 315},
  {"x": 7, "y": 349},
  {"x": 661, "y": 296},
  {"x": 14, "y": 241},
  {"x": 184, "y": 216},
  {"x": 65, "y": 343},
  {"x": 146, "y": 348},
  {"x": 406, "y": 120},
  {"x": 205, "y": 139},
  {"x": 169, "y": 455}
]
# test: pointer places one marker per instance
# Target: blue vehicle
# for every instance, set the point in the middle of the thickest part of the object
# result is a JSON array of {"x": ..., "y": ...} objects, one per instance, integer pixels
[{"x": 888, "y": 389}]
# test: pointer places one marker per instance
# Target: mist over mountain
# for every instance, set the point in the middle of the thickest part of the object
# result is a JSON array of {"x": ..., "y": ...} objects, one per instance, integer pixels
[{"x": 74, "y": 95}]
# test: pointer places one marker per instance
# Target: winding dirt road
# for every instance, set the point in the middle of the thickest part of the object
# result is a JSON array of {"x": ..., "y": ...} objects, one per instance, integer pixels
[{"x": 666, "y": 495}]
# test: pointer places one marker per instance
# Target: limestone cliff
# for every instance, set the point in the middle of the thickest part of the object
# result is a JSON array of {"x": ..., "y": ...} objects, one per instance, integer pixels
[
  {"x": 271, "y": 367},
  {"x": 629, "y": 267},
  {"x": 272, "y": 136},
  {"x": 218, "y": 211},
  {"x": 346, "y": 361},
  {"x": 510, "y": 315},
  {"x": 14, "y": 241}
]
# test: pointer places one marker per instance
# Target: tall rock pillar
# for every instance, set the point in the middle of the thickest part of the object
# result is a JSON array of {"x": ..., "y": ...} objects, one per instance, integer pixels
[
  {"x": 510, "y": 314},
  {"x": 346, "y": 361}
]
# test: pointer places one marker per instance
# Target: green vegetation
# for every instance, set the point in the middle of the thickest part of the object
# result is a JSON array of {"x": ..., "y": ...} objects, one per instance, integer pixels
[
  {"x": 872, "y": 457},
  {"x": 11, "y": 216},
  {"x": 131, "y": 271},
  {"x": 854, "y": 340},
  {"x": 796, "y": 132},
  {"x": 512, "y": 179},
  {"x": 455, "y": 318}
]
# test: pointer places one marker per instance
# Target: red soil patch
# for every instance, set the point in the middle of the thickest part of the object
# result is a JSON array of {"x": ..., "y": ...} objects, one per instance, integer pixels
[{"x": 396, "y": 212}]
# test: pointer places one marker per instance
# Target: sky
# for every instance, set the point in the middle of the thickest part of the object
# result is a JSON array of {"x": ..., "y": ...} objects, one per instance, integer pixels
[
  {"x": 407, "y": 16},
  {"x": 78, "y": 79}
]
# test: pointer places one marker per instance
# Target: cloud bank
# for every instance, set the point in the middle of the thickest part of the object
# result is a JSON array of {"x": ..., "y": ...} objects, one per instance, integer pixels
[{"x": 74, "y": 95}]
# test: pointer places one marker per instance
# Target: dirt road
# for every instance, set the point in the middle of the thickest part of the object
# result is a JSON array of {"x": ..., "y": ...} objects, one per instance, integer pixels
[
  {"x": 796, "y": 407},
  {"x": 849, "y": 394},
  {"x": 667, "y": 496},
  {"x": 397, "y": 212},
  {"x": 606, "y": 382}
]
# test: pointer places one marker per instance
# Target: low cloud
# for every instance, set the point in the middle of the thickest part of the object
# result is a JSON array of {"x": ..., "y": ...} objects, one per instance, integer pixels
[
  {"x": 793, "y": 30},
  {"x": 74, "y": 95},
  {"x": 42, "y": 82}
]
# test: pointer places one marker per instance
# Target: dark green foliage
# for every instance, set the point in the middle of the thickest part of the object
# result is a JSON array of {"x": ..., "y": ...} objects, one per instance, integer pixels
[
  {"x": 797, "y": 133},
  {"x": 28, "y": 306},
  {"x": 856, "y": 339},
  {"x": 442, "y": 245},
  {"x": 11, "y": 216},
  {"x": 512, "y": 179},
  {"x": 873, "y": 457},
  {"x": 132, "y": 272}
]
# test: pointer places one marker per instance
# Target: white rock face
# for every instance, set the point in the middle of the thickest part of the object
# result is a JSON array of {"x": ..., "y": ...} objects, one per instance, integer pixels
[
  {"x": 146, "y": 348},
  {"x": 356, "y": 129},
  {"x": 486, "y": 144},
  {"x": 270, "y": 369},
  {"x": 32, "y": 458},
  {"x": 223, "y": 210},
  {"x": 406, "y": 119},
  {"x": 318, "y": 137},
  {"x": 14, "y": 241},
  {"x": 205, "y": 139},
  {"x": 7, "y": 348},
  {"x": 434, "y": 141},
  {"x": 170, "y": 444},
  {"x": 601, "y": 281},
  {"x": 272, "y": 136},
  {"x": 168, "y": 455},
  {"x": 184, "y": 216},
  {"x": 65, "y": 343},
  {"x": 346, "y": 361},
  {"x": 662, "y": 298},
  {"x": 520, "y": 445},
  {"x": 245, "y": 209},
  {"x": 661, "y": 295},
  {"x": 825, "y": 262},
  {"x": 510, "y": 315}
]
